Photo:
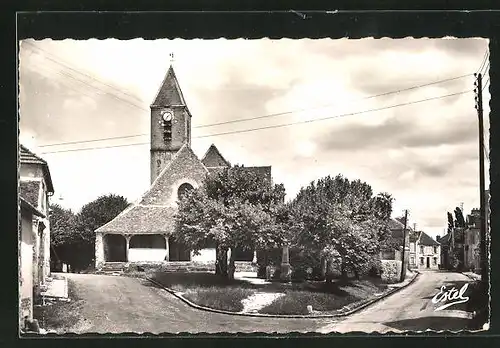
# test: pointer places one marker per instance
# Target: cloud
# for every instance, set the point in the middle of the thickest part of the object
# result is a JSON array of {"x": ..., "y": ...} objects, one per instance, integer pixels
[
  {"x": 424, "y": 154},
  {"x": 395, "y": 133}
]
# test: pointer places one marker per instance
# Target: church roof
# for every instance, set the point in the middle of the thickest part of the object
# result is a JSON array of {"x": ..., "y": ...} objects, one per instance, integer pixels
[
  {"x": 141, "y": 219},
  {"x": 169, "y": 93},
  {"x": 151, "y": 213},
  {"x": 28, "y": 157},
  {"x": 263, "y": 172},
  {"x": 213, "y": 158}
]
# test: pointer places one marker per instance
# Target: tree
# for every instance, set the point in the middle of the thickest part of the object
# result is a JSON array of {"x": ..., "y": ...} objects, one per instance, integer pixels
[
  {"x": 63, "y": 234},
  {"x": 451, "y": 223},
  {"x": 234, "y": 208},
  {"x": 459, "y": 218},
  {"x": 92, "y": 216},
  {"x": 342, "y": 221}
]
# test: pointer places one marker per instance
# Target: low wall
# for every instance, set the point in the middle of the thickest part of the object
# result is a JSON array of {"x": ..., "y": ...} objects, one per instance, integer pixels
[{"x": 146, "y": 254}]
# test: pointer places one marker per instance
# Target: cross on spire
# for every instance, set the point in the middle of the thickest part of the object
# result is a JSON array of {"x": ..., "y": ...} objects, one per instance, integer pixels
[{"x": 171, "y": 57}]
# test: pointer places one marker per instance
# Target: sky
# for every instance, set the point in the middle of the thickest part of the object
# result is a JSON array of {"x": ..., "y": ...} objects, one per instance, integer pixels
[{"x": 346, "y": 98}]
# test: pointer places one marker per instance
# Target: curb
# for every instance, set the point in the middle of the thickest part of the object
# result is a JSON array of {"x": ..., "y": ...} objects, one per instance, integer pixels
[
  {"x": 298, "y": 316},
  {"x": 470, "y": 277}
]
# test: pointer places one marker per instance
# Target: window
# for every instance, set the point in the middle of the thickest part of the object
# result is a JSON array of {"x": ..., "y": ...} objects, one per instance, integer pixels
[
  {"x": 422, "y": 261},
  {"x": 421, "y": 249},
  {"x": 412, "y": 260},
  {"x": 435, "y": 249},
  {"x": 434, "y": 261},
  {"x": 183, "y": 189}
]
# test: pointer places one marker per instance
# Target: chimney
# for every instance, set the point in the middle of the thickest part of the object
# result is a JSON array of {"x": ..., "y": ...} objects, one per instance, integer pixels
[{"x": 438, "y": 237}]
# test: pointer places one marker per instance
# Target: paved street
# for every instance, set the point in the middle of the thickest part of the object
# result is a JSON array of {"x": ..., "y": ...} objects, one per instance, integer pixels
[
  {"x": 409, "y": 309},
  {"x": 121, "y": 304}
]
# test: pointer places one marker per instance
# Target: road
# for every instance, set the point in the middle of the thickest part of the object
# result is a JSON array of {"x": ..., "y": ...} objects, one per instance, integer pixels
[
  {"x": 117, "y": 304},
  {"x": 114, "y": 304},
  {"x": 409, "y": 309}
]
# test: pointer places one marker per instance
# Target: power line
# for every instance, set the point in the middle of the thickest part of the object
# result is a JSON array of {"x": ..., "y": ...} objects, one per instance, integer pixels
[
  {"x": 275, "y": 114},
  {"x": 485, "y": 57},
  {"x": 57, "y": 61},
  {"x": 97, "y": 89},
  {"x": 336, "y": 116},
  {"x": 486, "y": 83},
  {"x": 330, "y": 105},
  {"x": 283, "y": 125}
]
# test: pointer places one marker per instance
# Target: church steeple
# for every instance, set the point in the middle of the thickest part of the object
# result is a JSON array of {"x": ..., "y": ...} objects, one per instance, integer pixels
[
  {"x": 170, "y": 123},
  {"x": 169, "y": 93}
]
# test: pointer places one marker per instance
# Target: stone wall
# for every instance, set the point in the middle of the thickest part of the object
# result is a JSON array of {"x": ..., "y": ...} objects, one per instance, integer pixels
[{"x": 186, "y": 168}]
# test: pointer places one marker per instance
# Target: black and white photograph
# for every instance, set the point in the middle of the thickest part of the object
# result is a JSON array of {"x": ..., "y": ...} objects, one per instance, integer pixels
[{"x": 242, "y": 186}]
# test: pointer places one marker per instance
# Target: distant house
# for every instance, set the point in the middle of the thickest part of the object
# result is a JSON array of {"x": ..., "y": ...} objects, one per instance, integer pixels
[
  {"x": 445, "y": 242},
  {"x": 472, "y": 239},
  {"x": 35, "y": 187},
  {"x": 428, "y": 251},
  {"x": 398, "y": 234}
]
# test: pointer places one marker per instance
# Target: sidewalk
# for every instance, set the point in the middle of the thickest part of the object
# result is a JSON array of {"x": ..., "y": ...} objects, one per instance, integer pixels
[{"x": 410, "y": 275}]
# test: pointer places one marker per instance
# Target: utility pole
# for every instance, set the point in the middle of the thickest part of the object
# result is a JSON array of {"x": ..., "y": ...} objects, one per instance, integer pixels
[
  {"x": 403, "y": 268},
  {"x": 482, "y": 227}
]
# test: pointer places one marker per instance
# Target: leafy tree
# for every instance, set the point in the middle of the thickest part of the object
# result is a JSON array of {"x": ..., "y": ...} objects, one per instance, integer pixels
[
  {"x": 459, "y": 218},
  {"x": 92, "y": 216},
  {"x": 451, "y": 223},
  {"x": 236, "y": 209},
  {"x": 63, "y": 234},
  {"x": 343, "y": 221}
]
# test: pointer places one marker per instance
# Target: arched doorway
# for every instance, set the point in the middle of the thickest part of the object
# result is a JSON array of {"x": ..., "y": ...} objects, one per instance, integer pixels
[{"x": 115, "y": 248}]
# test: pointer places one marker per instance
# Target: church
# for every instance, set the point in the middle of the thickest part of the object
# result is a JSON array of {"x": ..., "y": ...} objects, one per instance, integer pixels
[{"x": 143, "y": 231}]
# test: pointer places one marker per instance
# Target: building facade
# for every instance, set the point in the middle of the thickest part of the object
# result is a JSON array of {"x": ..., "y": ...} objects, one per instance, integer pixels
[
  {"x": 421, "y": 251},
  {"x": 35, "y": 188},
  {"x": 143, "y": 231},
  {"x": 427, "y": 252}
]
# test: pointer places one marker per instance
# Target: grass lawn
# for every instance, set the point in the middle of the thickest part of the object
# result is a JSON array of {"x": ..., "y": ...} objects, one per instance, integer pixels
[
  {"x": 60, "y": 316},
  {"x": 212, "y": 291},
  {"x": 325, "y": 298},
  {"x": 207, "y": 289}
]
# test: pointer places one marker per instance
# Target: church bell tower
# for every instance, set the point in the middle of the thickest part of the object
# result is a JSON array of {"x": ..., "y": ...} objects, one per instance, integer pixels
[{"x": 170, "y": 123}]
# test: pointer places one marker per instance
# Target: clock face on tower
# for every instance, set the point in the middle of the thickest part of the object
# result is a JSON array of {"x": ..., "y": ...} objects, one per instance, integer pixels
[{"x": 167, "y": 116}]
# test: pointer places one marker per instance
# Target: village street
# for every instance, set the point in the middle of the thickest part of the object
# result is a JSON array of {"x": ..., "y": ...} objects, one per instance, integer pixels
[
  {"x": 121, "y": 304},
  {"x": 409, "y": 309},
  {"x": 117, "y": 304}
]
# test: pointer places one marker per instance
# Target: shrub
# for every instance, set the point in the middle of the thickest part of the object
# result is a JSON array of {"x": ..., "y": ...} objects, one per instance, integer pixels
[
  {"x": 306, "y": 265},
  {"x": 391, "y": 271},
  {"x": 376, "y": 269}
]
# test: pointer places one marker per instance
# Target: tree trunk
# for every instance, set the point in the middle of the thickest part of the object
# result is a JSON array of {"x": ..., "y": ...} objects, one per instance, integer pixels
[
  {"x": 344, "y": 271},
  {"x": 323, "y": 268},
  {"x": 232, "y": 267},
  {"x": 221, "y": 262},
  {"x": 329, "y": 271}
]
